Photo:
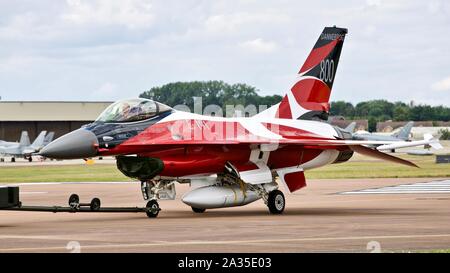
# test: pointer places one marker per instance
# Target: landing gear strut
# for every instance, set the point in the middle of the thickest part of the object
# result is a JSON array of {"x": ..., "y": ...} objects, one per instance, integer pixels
[
  {"x": 276, "y": 202},
  {"x": 153, "y": 190}
]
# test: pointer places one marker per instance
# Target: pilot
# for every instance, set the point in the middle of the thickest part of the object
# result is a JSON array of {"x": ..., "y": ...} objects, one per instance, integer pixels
[{"x": 125, "y": 113}]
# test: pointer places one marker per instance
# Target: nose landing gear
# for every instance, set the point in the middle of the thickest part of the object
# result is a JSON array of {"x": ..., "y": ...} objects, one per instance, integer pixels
[{"x": 154, "y": 190}]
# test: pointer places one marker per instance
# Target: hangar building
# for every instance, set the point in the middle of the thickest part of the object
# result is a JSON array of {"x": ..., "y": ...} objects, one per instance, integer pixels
[{"x": 35, "y": 116}]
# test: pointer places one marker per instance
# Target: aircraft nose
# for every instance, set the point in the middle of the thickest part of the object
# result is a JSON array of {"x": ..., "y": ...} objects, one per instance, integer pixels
[{"x": 80, "y": 143}]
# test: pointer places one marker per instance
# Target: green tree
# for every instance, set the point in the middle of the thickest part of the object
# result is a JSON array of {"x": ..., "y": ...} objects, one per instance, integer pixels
[
  {"x": 342, "y": 108},
  {"x": 401, "y": 112},
  {"x": 372, "y": 124},
  {"x": 222, "y": 94},
  {"x": 211, "y": 92},
  {"x": 445, "y": 134}
]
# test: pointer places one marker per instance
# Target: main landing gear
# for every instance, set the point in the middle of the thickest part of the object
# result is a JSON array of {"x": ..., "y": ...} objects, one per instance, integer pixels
[
  {"x": 268, "y": 192},
  {"x": 276, "y": 202}
]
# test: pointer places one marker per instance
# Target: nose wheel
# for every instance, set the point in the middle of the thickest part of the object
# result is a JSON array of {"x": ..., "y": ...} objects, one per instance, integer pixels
[
  {"x": 276, "y": 202},
  {"x": 152, "y": 209}
]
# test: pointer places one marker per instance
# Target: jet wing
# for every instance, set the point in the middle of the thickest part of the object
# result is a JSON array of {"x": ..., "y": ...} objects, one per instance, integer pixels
[
  {"x": 355, "y": 145},
  {"x": 252, "y": 133}
]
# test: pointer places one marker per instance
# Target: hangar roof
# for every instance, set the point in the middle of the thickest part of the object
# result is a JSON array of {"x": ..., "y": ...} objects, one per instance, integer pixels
[{"x": 51, "y": 110}]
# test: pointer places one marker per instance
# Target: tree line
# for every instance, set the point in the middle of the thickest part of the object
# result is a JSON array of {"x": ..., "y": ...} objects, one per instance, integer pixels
[
  {"x": 211, "y": 92},
  {"x": 222, "y": 94},
  {"x": 382, "y": 110}
]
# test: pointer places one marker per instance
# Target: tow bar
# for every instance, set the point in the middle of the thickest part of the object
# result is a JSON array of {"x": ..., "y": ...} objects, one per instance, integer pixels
[{"x": 10, "y": 200}]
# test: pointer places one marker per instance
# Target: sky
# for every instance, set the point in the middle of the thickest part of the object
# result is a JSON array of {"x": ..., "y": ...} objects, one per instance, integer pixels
[{"x": 93, "y": 50}]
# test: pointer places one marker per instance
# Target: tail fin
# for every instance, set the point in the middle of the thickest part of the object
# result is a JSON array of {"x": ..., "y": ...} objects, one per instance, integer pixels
[
  {"x": 433, "y": 142},
  {"x": 351, "y": 127},
  {"x": 39, "y": 141},
  {"x": 308, "y": 98},
  {"x": 24, "y": 139},
  {"x": 404, "y": 132},
  {"x": 48, "y": 138}
]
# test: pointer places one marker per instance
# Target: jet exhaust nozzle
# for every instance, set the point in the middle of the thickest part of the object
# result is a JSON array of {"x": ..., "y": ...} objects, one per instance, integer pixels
[{"x": 78, "y": 144}]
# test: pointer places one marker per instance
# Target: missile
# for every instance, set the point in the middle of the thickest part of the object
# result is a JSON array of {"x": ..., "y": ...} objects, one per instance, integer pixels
[
  {"x": 210, "y": 197},
  {"x": 427, "y": 140}
]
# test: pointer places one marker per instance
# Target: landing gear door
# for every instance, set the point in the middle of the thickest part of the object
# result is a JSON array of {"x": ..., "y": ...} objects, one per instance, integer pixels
[{"x": 167, "y": 193}]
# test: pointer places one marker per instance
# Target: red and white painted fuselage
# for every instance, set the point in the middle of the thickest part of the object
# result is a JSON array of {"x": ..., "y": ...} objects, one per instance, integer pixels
[{"x": 227, "y": 161}]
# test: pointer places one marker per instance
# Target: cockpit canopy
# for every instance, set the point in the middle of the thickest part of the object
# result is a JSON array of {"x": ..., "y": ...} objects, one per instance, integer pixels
[{"x": 132, "y": 110}]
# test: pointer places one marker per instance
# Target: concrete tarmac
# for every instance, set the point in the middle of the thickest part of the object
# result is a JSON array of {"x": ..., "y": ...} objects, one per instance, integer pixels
[{"x": 316, "y": 219}]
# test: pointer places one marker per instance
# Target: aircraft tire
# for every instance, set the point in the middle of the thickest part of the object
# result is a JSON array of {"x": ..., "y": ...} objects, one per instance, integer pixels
[
  {"x": 276, "y": 202},
  {"x": 95, "y": 204},
  {"x": 152, "y": 209},
  {"x": 74, "y": 200}
]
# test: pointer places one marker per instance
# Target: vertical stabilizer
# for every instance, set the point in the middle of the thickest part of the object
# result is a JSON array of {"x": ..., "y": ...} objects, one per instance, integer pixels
[{"x": 309, "y": 97}]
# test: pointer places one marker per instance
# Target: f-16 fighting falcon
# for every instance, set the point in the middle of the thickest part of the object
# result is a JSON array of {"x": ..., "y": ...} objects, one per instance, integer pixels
[
  {"x": 227, "y": 161},
  {"x": 23, "y": 148}
]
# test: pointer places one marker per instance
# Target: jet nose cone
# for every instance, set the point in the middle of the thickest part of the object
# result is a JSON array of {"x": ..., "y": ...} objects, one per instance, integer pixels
[{"x": 77, "y": 144}]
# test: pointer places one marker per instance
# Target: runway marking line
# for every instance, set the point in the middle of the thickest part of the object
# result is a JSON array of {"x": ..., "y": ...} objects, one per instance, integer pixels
[
  {"x": 234, "y": 242},
  {"x": 439, "y": 186},
  {"x": 69, "y": 183}
]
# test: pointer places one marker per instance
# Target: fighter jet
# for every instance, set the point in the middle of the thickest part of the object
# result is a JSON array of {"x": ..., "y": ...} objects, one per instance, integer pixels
[
  {"x": 227, "y": 161},
  {"x": 401, "y": 139},
  {"x": 24, "y": 141},
  {"x": 24, "y": 149},
  {"x": 402, "y": 135}
]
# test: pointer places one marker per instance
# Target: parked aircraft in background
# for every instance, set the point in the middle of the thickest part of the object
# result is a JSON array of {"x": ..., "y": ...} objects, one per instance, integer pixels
[
  {"x": 351, "y": 127},
  {"x": 401, "y": 138},
  {"x": 24, "y": 141},
  {"x": 23, "y": 148},
  {"x": 227, "y": 161},
  {"x": 402, "y": 135}
]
